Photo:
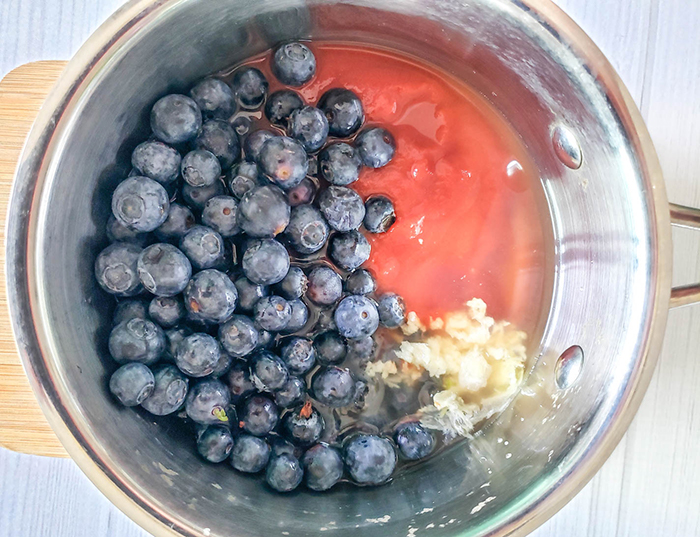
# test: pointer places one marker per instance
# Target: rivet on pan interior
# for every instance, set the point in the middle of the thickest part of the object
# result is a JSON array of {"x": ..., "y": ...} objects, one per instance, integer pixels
[
  {"x": 569, "y": 366},
  {"x": 567, "y": 147}
]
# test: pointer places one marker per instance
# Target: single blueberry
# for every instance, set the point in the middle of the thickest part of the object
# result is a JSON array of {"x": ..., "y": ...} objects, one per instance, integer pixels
[
  {"x": 215, "y": 443},
  {"x": 280, "y": 446},
  {"x": 302, "y": 194},
  {"x": 241, "y": 125},
  {"x": 344, "y": 112},
  {"x": 356, "y": 317},
  {"x": 218, "y": 137},
  {"x": 116, "y": 269},
  {"x": 175, "y": 119},
  {"x": 299, "y": 355},
  {"x": 323, "y": 467},
  {"x": 238, "y": 336},
  {"x": 268, "y": 371},
  {"x": 221, "y": 214},
  {"x": 325, "y": 286},
  {"x": 169, "y": 393},
  {"x": 208, "y": 403},
  {"x": 294, "y": 64},
  {"x": 163, "y": 269},
  {"x": 360, "y": 282},
  {"x": 214, "y": 98},
  {"x": 223, "y": 365},
  {"x": 330, "y": 348},
  {"x": 283, "y": 160},
  {"x": 200, "y": 168},
  {"x": 137, "y": 340},
  {"x": 414, "y": 441},
  {"x": 349, "y": 250},
  {"x": 392, "y": 310},
  {"x": 157, "y": 161},
  {"x": 250, "y": 454},
  {"x": 265, "y": 262},
  {"x": 254, "y": 142},
  {"x": 180, "y": 220},
  {"x": 239, "y": 382},
  {"x": 140, "y": 203},
  {"x": 292, "y": 393},
  {"x": 118, "y": 232},
  {"x": 130, "y": 309},
  {"x": 174, "y": 337},
  {"x": 250, "y": 87},
  {"x": 340, "y": 164},
  {"x": 132, "y": 383},
  {"x": 361, "y": 350},
  {"x": 376, "y": 147},
  {"x": 249, "y": 293},
  {"x": 370, "y": 459},
  {"x": 197, "y": 355},
  {"x": 303, "y": 425},
  {"x": 284, "y": 473},
  {"x": 307, "y": 231},
  {"x": 272, "y": 313},
  {"x": 293, "y": 285},
  {"x": 204, "y": 247},
  {"x": 166, "y": 311},
  {"x": 242, "y": 178},
  {"x": 379, "y": 214},
  {"x": 280, "y": 105},
  {"x": 298, "y": 318},
  {"x": 210, "y": 296},
  {"x": 266, "y": 339},
  {"x": 309, "y": 127},
  {"x": 197, "y": 197},
  {"x": 342, "y": 207},
  {"x": 334, "y": 386},
  {"x": 264, "y": 212},
  {"x": 259, "y": 415}
]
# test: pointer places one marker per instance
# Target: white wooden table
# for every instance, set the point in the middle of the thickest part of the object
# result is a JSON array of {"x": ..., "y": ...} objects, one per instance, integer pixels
[{"x": 651, "y": 485}]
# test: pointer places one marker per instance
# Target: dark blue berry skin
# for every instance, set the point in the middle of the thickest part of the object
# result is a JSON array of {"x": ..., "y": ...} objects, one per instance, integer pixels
[
  {"x": 293, "y": 64},
  {"x": 298, "y": 318},
  {"x": 130, "y": 309},
  {"x": 140, "y": 203},
  {"x": 241, "y": 125},
  {"x": 118, "y": 232},
  {"x": 222, "y": 366},
  {"x": 303, "y": 426},
  {"x": 254, "y": 142},
  {"x": 342, "y": 207},
  {"x": 293, "y": 285},
  {"x": 259, "y": 415},
  {"x": 344, "y": 111},
  {"x": 132, "y": 383},
  {"x": 349, "y": 250},
  {"x": 215, "y": 443},
  {"x": 360, "y": 282},
  {"x": 156, "y": 160},
  {"x": 214, "y": 98},
  {"x": 268, "y": 371},
  {"x": 360, "y": 351},
  {"x": 203, "y": 246},
  {"x": 302, "y": 194},
  {"x": 280, "y": 105},
  {"x": 265, "y": 262},
  {"x": 334, "y": 386},
  {"x": 137, "y": 340},
  {"x": 173, "y": 338},
  {"x": 376, "y": 147},
  {"x": 307, "y": 231},
  {"x": 239, "y": 382},
  {"x": 340, "y": 164},
  {"x": 197, "y": 355},
  {"x": 379, "y": 214},
  {"x": 325, "y": 320},
  {"x": 414, "y": 441},
  {"x": 264, "y": 212},
  {"x": 280, "y": 446},
  {"x": 197, "y": 197},
  {"x": 272, "y": 313},
  {"x": 284, "y": 473},
  {"x": 309, "y": 127},
  {"x": 175, "y": 119},
  {"x": 392, "y": 310},
  {"x": 356, "y": 317},
  {"x": 221, "y": 214},
  {"x": 370, "y": 459},
  {"x": 299, "y": 355},
  {"x": 283, "y": 160},
  {"x": 292, "y": 393},
  {"x": 238, "y": 336},
  {"x": 250, "y": 454},
  {"x": 250, "y": 87},
  {"x": 323, "y": 467},
  {"x": 166, "y": 311},
  {"x": 249, "y": 293},
  {"x": 116, "y": 269},
  {"x": 208, "y": 403},
  {"x": 169, "y": 393},
  {"x": 210, "y": 296},
  {"x": 163, "y": 269},
  {"x": 180, "y": 220},
  {"x": 330, "y": 348},
  {"x": 325, "y": 286},
  {"x": 266, "y": 339},
  {"x": 218, "y": 137},
  {"x": 242, "y": 178},
  {"x": 200, "y": 168}
]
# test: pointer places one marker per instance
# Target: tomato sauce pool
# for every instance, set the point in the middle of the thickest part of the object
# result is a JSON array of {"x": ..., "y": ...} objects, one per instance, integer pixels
[{"x": 468, "y": 200}]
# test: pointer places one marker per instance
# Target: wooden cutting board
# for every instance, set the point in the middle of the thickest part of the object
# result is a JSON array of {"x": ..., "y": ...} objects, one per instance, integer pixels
[{"x": 22, "y": 93}]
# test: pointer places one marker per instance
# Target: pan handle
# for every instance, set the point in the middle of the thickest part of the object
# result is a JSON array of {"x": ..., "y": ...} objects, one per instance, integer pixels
[{"x": 689, "y": 218}]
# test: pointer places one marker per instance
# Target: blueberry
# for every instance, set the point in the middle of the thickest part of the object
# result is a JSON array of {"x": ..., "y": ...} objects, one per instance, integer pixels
[
  {"x": 349, "y": 250},
  {"x": 169, "y": 392},
  {"x": 342, "y": 207},
  {"x": 370, "y": 459},
  {"x": 118, "y": 232},
  {"x": 298, "y": 318},
  {"x": 116, "y": 269},
  {"x": 210, "y": 296},
  {"x": 379, "y": 214},
  {"x": 259, "y": 415},
  {"x": 200, "y": 168},
  {"x": 309, "y": 126},
  {"x": 323, "y": 467},
  {"x": 291, "y": 393},
  {"x": 268, "y": 371},
  {"x": 392, "y": 310},
  {"x": 238, "y": 336},
  {"x": 197, "y": 197},
  {"x": 163, "y": 269},
  {"x": 361, "y": 350},
  {"x": 294, "y": 64},
  {"x": 249, "y": 293},
  {"x": 250, "y": 87},
  {"x": 284, "y": 473},
  {"x": 208, "y": 403},
  {"x": 266, "y": 339},
  {"x": 166, "y": 311},
  {"x": 344, "y": 112},
  {"x": 215, "y": 443},
  {"x": 272, "y": 313},
  {"x": 140, "y": 203},
  {"x": 293, "y": 285},
  {"x": 313, "y": 166},
  {"x": 222, "y": 366},
  {"x": 330, "y": 348},
  {"x": 302, "y": 194},
  {"x": 174, "y": 337},
  {"x": 283, "y": 160},
  {"x": 239, "y": 382},
  {"x": 334, "y": 386},
  {"x": 325, "y": 286},
  {"x": 325, "y": 320},
  {"x": 197, "y": 355},
  {"x": 360, "y": 282},
  {"x": 137, "y": 340},
  {"x": 180, "y": 220},
  {"x": 254, "y": 142},
  {"x": 376, "y": 147},
  {"x": 356, "y": 317},
  {"x": 280, "y": 105},
  {"x": 307, "y": 231},
  {"x": 414, "y": 441},
  {"x": 203, "y": 246},
  {"x": 340, "y": 164},
  {"x": 218, "y": 137},
  {"x": 265, "y": 262},
  {"x": 126, "y": 310},
  {"x": 280, "y": 446},
  {"x": 175, "y": 119},
  {"x": 264, "y": 212},
  {"x": 241, "y": 125},
  {"x": 221, "y": 214},
  {"x": 304, "y": 425},
  {"x": 299, "y": 355},
  {"x": 132, "y": 383},
  {"x": 156, "y": 161},
  {"x": 250, "y": 454},
  {"x": 214, "y": 98},
  {"x": 242, "y": 178}
]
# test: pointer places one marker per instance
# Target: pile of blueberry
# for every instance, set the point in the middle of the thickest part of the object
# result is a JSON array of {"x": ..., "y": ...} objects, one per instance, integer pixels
[{"x": 248, "y": 241}]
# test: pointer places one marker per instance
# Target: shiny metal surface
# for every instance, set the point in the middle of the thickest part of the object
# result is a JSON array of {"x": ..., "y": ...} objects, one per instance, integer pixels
[
  {"x": 567, "y": 147},
  {"x": 610, "y": 290}
]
